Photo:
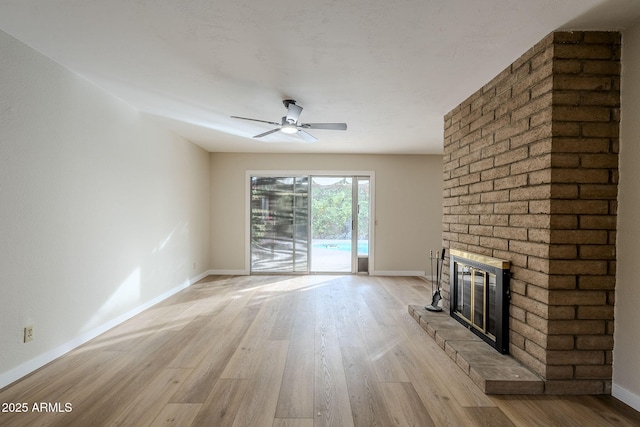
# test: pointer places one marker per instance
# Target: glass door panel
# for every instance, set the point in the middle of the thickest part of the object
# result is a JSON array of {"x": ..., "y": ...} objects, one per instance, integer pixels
[
  {"x": 363, "y": 199},
  {"x": 332, "y": 224},
  {"x": 301, "y": 225},
  {"x": 279, "y": 224}
]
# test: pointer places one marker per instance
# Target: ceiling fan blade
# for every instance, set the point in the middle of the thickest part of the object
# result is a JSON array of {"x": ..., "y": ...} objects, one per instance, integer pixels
[
  {"x": 255, "y": 120},
  {"x": 267, "y": 133},
  {"x": 307, "y": 136},
  {"x": 328, "y": 126},
  {"x": 293, "y": 112}
]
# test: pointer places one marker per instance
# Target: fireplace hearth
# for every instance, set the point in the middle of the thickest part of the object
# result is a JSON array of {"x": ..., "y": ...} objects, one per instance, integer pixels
[{"x": 480, "y": 296}]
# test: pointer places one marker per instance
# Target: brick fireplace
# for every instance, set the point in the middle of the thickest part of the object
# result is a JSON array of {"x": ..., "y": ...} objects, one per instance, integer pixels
[{"x": 530, "y": 176}]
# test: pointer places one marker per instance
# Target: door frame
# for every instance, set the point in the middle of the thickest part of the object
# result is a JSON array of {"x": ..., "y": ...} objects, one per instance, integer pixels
[{"x": 310, "y": 173}]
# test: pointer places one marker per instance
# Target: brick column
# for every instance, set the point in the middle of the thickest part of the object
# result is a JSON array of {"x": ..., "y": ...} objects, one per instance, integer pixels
[{"x": 530, "y": 176}]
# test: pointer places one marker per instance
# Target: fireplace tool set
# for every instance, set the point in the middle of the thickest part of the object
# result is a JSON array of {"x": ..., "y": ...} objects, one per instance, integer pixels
[{"x": 439, "y": 261}]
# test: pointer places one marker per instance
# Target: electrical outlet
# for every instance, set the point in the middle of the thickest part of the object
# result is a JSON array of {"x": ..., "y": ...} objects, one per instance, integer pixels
[
  {"x": 194, "y": 265},
  {"x": 28, "y": 333}
]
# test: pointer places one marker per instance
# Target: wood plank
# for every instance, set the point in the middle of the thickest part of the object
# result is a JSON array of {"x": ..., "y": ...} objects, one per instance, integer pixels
[
  {"x": 151, "y": 400},
  {"x": 177, "y": 414},
  {"x": 365, "y": 394},
  {"x": 293, "y": 422},
  {"x": 380, "y": 340},
  {"x": 489, "y": 416},
  {"x": 565, "y": 411},
  {"x": 222, "y": 405},
  {"x": 330, "y": 383},
  {"x": 248, "y": 356},
  {"x": 134, "y": 373},
  {"x": 432, "y": 388},
  {"x": 405, "y": 406},
  {"x": 296, "y": 394},
  {"x": 258, "y": 408},
  {"x": 198, "y": 386}
]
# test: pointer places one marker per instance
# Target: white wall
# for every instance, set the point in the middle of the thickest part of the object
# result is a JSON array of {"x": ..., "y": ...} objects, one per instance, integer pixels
[
  {"x": 408, "y": 203},
  {"x": 101, "y": 212},
  {"x": 626, "y": 350}
]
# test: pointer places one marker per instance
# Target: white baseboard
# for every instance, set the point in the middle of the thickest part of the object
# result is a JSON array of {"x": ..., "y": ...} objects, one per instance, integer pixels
[
  {"x": 626, "y": 396},
  {"x": 26, "y": 368},
  {"x": 228, "y": 272},
  {"x": 397, "y": 273}
]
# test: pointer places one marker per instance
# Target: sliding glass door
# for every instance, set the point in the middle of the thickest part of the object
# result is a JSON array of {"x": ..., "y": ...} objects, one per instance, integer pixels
[
  {"x": 332, "y": 224},
  {"x": 302, "y": 224},
  {"x": 279, "y": 224}
]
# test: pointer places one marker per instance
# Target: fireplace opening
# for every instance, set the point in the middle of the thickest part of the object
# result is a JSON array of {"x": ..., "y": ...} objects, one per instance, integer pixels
[{"x": 480, "y": 296}]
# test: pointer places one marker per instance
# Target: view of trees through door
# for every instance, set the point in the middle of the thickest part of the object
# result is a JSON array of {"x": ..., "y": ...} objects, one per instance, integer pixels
[{"x": 310, "y": 224}]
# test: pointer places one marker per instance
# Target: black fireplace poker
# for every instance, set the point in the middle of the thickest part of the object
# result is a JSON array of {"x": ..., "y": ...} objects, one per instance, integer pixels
[{"x": 439, "y": 260}]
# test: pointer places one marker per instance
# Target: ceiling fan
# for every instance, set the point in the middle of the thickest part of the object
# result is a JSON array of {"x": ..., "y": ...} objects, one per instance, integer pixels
[{"x": 290, "y": 123}]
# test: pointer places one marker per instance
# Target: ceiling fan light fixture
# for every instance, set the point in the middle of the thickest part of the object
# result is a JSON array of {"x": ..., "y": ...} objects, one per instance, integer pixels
[
  {"x": 290, "y": 129},
  {"x": 291, "y": 126}
]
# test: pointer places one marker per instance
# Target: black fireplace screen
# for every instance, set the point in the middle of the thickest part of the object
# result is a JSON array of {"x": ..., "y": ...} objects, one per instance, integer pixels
[{"x": 480, "y": 296}]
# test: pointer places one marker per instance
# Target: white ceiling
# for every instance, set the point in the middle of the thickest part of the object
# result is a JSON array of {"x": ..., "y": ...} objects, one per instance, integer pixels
[{"x": 389, "y": 68}]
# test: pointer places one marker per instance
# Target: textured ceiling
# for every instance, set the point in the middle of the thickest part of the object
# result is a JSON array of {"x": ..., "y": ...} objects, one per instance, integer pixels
[{"x": 389, "y": 68}]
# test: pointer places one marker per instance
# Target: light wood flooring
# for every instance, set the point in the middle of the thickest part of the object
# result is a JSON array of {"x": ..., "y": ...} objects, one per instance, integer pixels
[{"x": 280, "y": 351}]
